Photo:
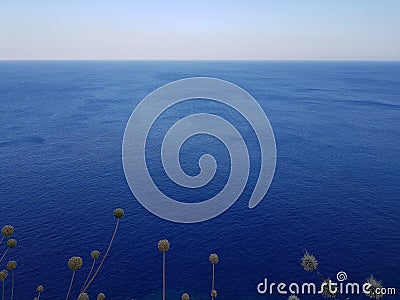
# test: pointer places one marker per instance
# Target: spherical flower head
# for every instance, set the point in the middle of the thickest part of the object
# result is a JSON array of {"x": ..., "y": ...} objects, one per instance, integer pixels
[
  {"x": 36, "y": 298},
  {"x": 293, "y": 297},
  {"x": 309, "y": 262},
  {"x": 11, "y": 243},
  {"x": 119, "y": 213},
  {"x": 214, "y": 259},
  {"x": 163, "y": 245},
  {"x": 95, "y": 254},
  {"x": 83, "y": 296},
  {"x": 3, "y": 275},
  {"x": 7, "y": 231},
  {"x": 328, "y": 292},
  {"x": 40, "y": 288},
  {"x": 185, "y": 296},
  {"x": 11, "y": 265},
  {"x": 101, "y": 296},
  {"x": 75, "y": 263},
  {"x": 214, "y": 294},
  {"x": 374, "y": 288}
]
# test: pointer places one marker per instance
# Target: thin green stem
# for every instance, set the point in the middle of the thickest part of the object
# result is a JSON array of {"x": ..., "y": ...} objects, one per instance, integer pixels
[
  {"x": 104, "y": 258},
  {"x": 213, "y": 274},
  {"x": 164, "y": 275},
  {"x": 70, "y": 285},
  {"x": 320, "y": 276},
  {"x": 90, "y": 273},
  {"x": 12, "y": 284},
  {"x": 38, "y": 296},
  {"x": 5, "y": 252}
]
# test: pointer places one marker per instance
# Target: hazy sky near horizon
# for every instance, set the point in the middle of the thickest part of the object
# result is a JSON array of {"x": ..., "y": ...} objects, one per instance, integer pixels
[{"x": 209, "y": 29}]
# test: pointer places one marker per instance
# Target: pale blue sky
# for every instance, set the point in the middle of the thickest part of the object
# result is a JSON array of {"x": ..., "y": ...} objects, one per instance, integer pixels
[{"x": 208, "y": 29}]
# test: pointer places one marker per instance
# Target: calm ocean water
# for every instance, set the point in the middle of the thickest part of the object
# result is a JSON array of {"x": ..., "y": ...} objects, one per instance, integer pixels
[{"x": 335, "y": 192}]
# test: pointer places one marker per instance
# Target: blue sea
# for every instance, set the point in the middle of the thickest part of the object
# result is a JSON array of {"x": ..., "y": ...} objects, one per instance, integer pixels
[{"x": 335, "y": 192}]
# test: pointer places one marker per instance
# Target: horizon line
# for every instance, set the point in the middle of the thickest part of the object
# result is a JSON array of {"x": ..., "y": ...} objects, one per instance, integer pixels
[{"x": 202, "y": 60}]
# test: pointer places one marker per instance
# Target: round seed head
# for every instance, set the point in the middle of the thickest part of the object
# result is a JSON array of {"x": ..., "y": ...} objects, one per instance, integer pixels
[
  {"x": 214, "y": 294},
  {"x": 185, "y": 296},
  {"x": 101, "y": 296},
  {"x": 328, "y": 292},
  {"x": 40, "y": 288},
  {"x": 83, "y": 296},
  {"x": 3, "y": 275},
  {"x": 214, "y": 259},
  {"x": 293, "y": 297},
  {"x": 75, "y": 263},
  {"x": 373, "y": 288},
  {"x": 309, "y": 262},
  {"x": 11, "y": 265},
  {"x": 95, "y": 254},
  {"x": 119, "y": 213},
  {"x": 7, "y": 231},
  {"x": 11, "y": 243},
  {"x": 163, "y": 245}
]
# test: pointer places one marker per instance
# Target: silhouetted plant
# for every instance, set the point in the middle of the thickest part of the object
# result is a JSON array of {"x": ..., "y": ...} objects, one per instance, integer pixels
[
  {"x": 6, "y": 231},
  {"x": 214, "y": 260},
  {"x": 11, "y": 243},
  {"x": 39, "y": 290},
  {"x": 327, "y": 291},
  {"x": 74, "y": 263},
  {"x": 3, "y": 276},
  {"x": 374, "y": 287},
  {"x": 11, "y": 265},
  {"x": 309, "y": 262},
  {"x": 185, "y": 296},
  {"x": 83, "y": 296},
  {"x": 118, "y": 214},
  {"x": 163, "y": 246},
  {"x": 95, "y": 254}
]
